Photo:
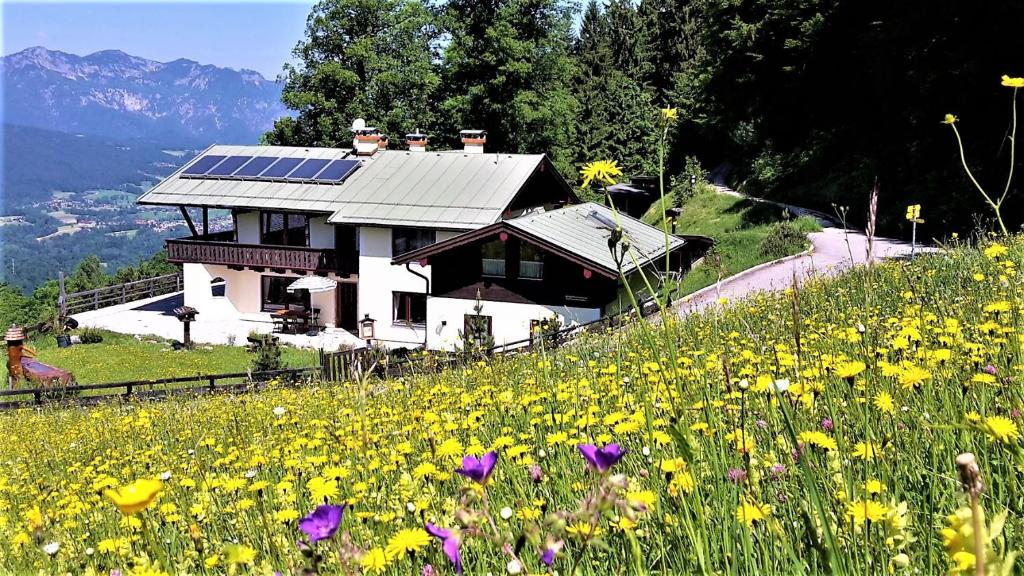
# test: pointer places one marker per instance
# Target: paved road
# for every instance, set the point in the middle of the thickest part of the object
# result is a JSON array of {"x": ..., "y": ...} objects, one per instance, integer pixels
[{"x": 834, "y": 250}]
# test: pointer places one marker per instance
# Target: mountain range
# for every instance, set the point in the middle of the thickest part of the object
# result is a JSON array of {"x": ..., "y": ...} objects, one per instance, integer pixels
[{"x": 123, "y": 97}]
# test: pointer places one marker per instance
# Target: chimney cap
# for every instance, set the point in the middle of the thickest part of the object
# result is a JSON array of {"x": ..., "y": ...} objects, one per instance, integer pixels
[
  {"x": 473, "y": 133},
  {"x": 415, "y": 137}
]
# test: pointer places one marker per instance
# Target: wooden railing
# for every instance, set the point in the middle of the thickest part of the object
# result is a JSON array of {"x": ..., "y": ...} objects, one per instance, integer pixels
[
  {"x": 203, "y": 251},
  {"x": 123, "y": 293}
]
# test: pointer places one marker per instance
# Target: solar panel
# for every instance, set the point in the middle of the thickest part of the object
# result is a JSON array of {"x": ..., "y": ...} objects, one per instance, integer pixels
[
  {"x": 337, "y": 171},
  {"x": 255, "y": 166},
  {"x": 203, "y": 165},
  {"x": 228, "y": 166},
  {"x": 281, "y": 168},
  {"x": 308, "y": 169}
]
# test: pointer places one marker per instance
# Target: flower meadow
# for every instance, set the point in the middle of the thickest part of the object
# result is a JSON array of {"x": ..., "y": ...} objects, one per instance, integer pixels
[{"x": 812, "y": 431}]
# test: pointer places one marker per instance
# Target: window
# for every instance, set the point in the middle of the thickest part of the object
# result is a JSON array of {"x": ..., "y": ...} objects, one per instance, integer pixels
[
  {"x": 531, "y": 262},
  {"x": 477, "y": 330},
  {"x": 408, "y": 239},
  {"x": 282, "y": 229},
  {"x": 275, "y": 294},
  {"x": 492, "y": 256},
  {"x": 410, "y": 308}
]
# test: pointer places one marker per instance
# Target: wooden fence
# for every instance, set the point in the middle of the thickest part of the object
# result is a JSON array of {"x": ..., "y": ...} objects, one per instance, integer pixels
[
  {"x": 163, "y": 387},
  {"x": 123, "y": 293}
]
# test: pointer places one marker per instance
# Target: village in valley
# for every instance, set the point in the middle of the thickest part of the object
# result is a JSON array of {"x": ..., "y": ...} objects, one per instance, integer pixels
[{"x": 656, "y": 287}]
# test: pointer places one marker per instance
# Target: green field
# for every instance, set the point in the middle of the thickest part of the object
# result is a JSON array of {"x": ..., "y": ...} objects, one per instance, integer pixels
[{"x": 739, "y": 227}]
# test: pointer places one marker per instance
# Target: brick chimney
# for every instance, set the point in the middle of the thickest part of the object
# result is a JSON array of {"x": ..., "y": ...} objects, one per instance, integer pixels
[
  {"x": 417, "y": 141},
  {"x": 366, "y": 139},
  {"x": 473, "y": 141},
  {"x": 382, "y": 144}
]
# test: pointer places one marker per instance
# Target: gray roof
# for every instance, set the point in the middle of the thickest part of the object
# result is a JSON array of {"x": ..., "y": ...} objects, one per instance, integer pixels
[
  {"x": 448, "y": 190},
  {"x": 574, "y": 229},
  {"x": 434, "y": 189}
]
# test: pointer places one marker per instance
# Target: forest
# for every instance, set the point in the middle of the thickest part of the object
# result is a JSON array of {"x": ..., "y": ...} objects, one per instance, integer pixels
[{"x": 808, "y": 101}]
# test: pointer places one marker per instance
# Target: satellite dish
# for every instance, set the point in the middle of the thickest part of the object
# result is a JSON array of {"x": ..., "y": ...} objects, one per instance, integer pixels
[{"x": 358, "y": 124}]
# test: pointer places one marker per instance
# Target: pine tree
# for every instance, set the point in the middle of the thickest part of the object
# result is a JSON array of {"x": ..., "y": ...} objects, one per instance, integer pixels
[{"x": 371, "y": 59}]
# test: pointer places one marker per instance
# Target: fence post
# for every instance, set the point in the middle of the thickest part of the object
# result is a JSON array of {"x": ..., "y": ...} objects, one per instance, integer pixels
[
  {"x": 213, "y": 382},
  {"x": 128, "y": 390},
  {"x": 177, "y": 282},
  {"x": 124, "y": 293},
  {"x": 96, "y": 300}
]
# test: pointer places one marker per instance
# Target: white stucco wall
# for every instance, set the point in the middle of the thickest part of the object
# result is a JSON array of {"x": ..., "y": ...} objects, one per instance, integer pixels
[
  {"x": 378, "y": 279},
  {"x": 242, "y": 292},
  {"x": 510, "y": 321}
]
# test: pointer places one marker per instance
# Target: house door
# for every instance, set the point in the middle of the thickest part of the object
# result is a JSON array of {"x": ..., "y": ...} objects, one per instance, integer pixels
[{"x": 347, "y": 301}]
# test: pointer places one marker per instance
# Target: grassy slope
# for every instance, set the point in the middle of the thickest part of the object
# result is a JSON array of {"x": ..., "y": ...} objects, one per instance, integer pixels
[
  {"x": 737, "y": 225},
  {"x": 121, "y": 357},
  {"x": 913, "y": 340}
]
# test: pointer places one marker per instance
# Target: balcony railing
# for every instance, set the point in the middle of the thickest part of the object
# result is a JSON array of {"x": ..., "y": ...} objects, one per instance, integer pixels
[{"x": 207, "y": 250}]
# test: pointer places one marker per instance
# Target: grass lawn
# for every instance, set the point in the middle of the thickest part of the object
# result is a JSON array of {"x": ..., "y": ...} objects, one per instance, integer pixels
[
  {"x": 739, "y": 227},
  {"x": 121, "y": 357}
]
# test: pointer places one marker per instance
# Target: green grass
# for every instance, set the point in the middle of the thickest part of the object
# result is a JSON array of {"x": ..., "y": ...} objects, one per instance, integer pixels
[
  {"x": 121, "y": 358},
  {"x": 738, "y": 225}
]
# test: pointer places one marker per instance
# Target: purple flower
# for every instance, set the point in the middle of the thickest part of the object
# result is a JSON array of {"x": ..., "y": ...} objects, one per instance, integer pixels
[
  {"x": 777, "y": 469},
  {"x": 762, "y": 423},
  {"x": 553, "y": 548},
  {"x": 602, "y": 458},
  {"x": 536, "y": 474},
  {"x": 428, "y": 570},
  {"x": 480, "y": 469},
  {"x": 991, "y": 369},
  {"x": 826, "y": 423},
  {"x": 737, "y": 475},
  {"x": 449, "y": 542},
  {"x": 322, "y": 523}
]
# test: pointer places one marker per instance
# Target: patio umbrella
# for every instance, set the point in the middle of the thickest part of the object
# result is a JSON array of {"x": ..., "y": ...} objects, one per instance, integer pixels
[{"x": 313, "y": 284}]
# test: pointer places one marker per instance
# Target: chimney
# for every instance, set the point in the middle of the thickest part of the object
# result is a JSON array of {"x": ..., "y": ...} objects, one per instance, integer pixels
[
  {"x": 382, "y": 144},
  {"x": 473, "y": 141},
  {"x": 417, "y": 141},
  {"x": 366, "y": 138}
]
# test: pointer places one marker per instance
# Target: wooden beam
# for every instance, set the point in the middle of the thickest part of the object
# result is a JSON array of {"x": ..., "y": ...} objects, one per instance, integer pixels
[
  {"x": 206, "y": 221},
  {"x": 188, "y": 220}
]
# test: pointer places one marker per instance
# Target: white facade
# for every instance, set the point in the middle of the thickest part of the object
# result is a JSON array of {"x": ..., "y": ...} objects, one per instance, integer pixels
[
  {"x": 510, "y": 321},
  {"x": 379, "y": 280}
]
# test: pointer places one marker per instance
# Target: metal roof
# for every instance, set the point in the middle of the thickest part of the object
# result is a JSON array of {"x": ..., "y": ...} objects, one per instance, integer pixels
[
  {"x": 579, "y": 232},
  {"x": 575, "y": 230},
  {"x": 447, "y": 190},
  {"x": 434, "y": 189}
]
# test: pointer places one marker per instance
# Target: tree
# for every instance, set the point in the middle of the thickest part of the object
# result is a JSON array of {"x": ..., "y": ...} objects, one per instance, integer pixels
[
  {"x": 507, "y": 69},
  {"x": 371, "y": 59}
]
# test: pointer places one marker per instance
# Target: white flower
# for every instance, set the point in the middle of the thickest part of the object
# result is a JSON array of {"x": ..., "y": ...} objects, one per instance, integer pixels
[
  {"x": 411, "y": 507},
  {"x": 506, "y": 513},
  {"x": 165, "y": 476},
  {"x": 514, "y": 567},
  {"x": 781, "y": 385},
  {"x": 646, "y": 451},
  {"x": 51, "y": 548},
  {"x": 744, "y": 384},
  {"x": 280, "y": 411},
  {"x": 541, "y": 453},
  {"x": 89, "y": 551},
  {"x": 250, "y": 474}
]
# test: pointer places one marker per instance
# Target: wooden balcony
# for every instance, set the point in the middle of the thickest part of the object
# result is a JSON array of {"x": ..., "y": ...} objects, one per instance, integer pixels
[{"x": 216, "y": 249}]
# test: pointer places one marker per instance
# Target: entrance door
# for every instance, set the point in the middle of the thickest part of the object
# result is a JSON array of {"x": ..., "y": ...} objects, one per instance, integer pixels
[{"x": 347, "y": 301}]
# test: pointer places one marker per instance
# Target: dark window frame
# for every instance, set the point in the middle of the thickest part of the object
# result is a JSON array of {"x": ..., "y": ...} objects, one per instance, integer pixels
[
  {"x": 266, "y": 217},
  {"x": 413, "y": 238},
  {"x": 503, "y": 259},
  {"x": 539, "y": 253},
  {"x": 303, "y": 297},
  {"x": 406, "y": 300}
]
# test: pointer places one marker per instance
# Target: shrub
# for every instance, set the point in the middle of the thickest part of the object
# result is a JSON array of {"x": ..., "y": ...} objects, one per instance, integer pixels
[
  {"x": 782, "y": 240},
  {"x": 266, "y": 351},
  {"x": 90, "y": 336}
]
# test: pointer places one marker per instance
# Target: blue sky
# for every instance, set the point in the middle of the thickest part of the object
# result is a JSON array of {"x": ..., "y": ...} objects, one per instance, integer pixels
[{"x": 254, "y": 35}]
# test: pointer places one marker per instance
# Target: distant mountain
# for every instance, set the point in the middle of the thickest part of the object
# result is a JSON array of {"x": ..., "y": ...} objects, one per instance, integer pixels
[{"x": 115, "y": 95}]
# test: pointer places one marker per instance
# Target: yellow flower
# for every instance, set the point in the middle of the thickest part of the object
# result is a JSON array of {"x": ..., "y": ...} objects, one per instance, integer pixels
[
  {"x": 585, "y": 529},
  {"x": 1001, "y": 429},
  {"x": 883, "y": 401},
  {"x": 963, "y": 562},
  {"x": 850, "y": 369},
  {"x": 669, "y": 114},
  {"x": 239, "y": 554},
  {"x": 408, "y": 540},
  {"x": 601, "y": 171},
  {"x": 949, "y": 119},
  {"x": 819, "y": 439},
  {"x": 863, "y": 511},
  {"x": 374, "y": 560},
  {"x": 867, "y": 451},
  {"x": 749, "y": 512},
  {"x": 136, "y": 496},
  {"x": 995, "y": 250},
  {"x": 321, "y": 489},
  {"x": 1012, "y": 82}
]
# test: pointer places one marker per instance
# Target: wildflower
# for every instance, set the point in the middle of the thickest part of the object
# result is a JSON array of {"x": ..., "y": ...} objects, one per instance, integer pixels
[
  {"x": 819, "y": 439},
  {"x": 374, "y": 560},
  {"x": 883, "y": 401},
  {"x": 52, "y": 548},
  {"x": 737, "y": 475},
  {"x": 136, "y": 496},
  {"x": 514, "y": 567},
  {"x": 867, "y": 451},
  {"x": 601, "y": 459},
  {"x": 536, "y": 473},
  {"x": 280, "y": 411},
  {"x": 863, "y": 511},
  {"x": 449, "y": 544},
  {"x": 322, "y": 523},
  {"x": 1012, "y": 82},
  {"x": 550, "y": 551},
  {"x": 239, "y": 554},
  {"x": 827, "y": 425},
  {"x": 505, "y": 513},
  {"x": 995, "y": 250},
  {"x": 949, "y": 119},
  {"x": 1001, "y": 429},
  {"x": 321, "y": 489},
  {"x": 601, "y": 171},
  {"x": 408, "y": 540},
  {"x": 750, "y": 511},
  {"x": 669, "y": 114},
  {"x": 478, "y": 469}
]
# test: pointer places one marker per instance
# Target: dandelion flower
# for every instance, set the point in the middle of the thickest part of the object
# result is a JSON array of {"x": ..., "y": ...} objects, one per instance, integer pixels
[
  {"x": 407, "y": 541},
  {"x": 863, "y": 511},
  {"x": 1001, "y": 429},
  {"x": 600, "y": 171},
  {"x": 1012, "y": 82},
  {"x": 949, "y": 119},
  {"x": 749, "y": 512},
  {"x": 374, "y": 561},
  {"x": 136, "y": 496}
]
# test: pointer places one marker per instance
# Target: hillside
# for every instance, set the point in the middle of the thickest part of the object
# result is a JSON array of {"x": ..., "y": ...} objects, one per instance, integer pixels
[
  {"x": 122, "y": 97},
  {"x": 807, "y": 432}
]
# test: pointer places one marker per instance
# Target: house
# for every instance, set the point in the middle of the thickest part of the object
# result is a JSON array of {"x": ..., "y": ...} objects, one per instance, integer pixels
[
  {"x": 566, "y": 264},
  {"x": 350, "y": 215}
]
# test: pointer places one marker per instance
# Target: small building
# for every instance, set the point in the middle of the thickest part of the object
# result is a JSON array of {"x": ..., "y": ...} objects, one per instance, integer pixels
[{"x": 568, "y": 263}]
